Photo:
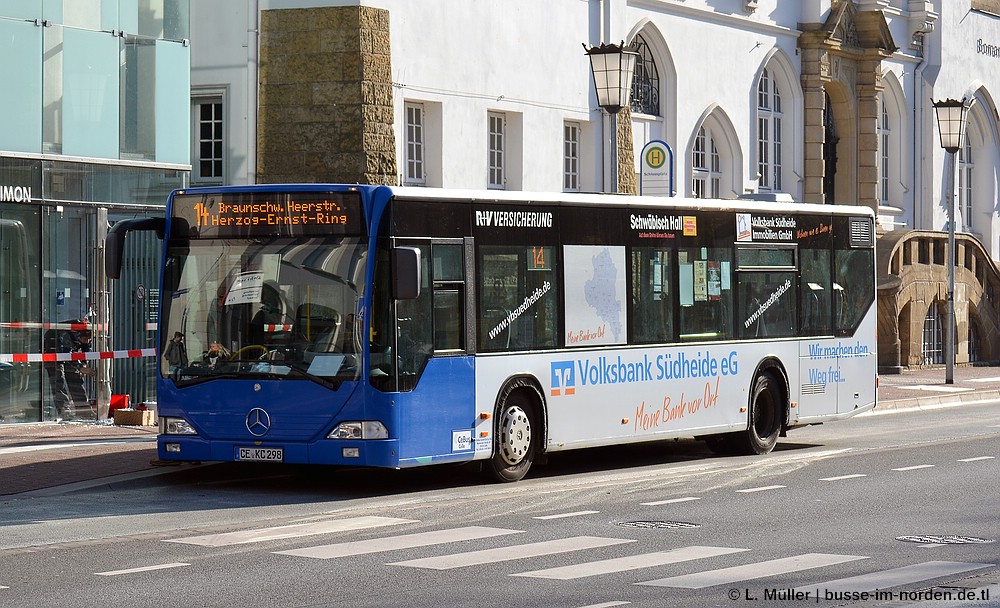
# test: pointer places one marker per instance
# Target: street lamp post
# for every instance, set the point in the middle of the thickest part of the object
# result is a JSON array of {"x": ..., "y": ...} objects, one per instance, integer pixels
[
  {"x": 612, "y": 66},
  {"x": 951, "y": 127}
]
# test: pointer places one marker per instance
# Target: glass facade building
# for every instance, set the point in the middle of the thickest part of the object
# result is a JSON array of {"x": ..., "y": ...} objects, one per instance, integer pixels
[{"x": 94, "y": 127}]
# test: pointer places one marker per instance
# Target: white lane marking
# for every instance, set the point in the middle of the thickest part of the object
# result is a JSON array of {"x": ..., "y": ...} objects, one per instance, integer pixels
[
  {"x": 976, "y": 459},
  {"x": 2, "y": 587},
  {"x": 854, "y": 476},
  {"x": 993, "y": 379},
  {"x": 915, "y": 467},
  {"x": 899, "y": 576},
  {"x": 710, "y": 578},
  {"x": 632, "y": 562},
  {"x": 606, "y": 605},
  {"x": 21, "y": 449},
  {"x": 502, "y": 554},
  {"x": 291, "y": 531},
  {"x": 760, "y": 489},
  {"x": 561, "y": 515},
  {"x": 670, "y": 501},
  {"x": 143, "y": 569},
  {"x": 392, "y": 543}
]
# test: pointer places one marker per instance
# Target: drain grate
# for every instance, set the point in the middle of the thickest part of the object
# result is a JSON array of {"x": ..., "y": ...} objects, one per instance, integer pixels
[
  {"x": 673, "y": 525},
  {"x": 944, "y": 540}
]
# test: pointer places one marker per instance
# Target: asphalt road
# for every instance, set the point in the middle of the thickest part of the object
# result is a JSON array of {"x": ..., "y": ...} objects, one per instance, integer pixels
[{"x": 828, "y": 514}]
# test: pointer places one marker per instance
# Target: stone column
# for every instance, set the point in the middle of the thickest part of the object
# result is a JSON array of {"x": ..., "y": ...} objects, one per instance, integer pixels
[
  {"x": 325, "y": 108},
  {"x": 868, "y": 87},
  {"x": 626, "y": 156},
  {"x": 815, "y": 71}
]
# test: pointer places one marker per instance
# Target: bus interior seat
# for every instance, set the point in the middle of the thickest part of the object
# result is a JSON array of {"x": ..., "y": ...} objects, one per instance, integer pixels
[{"x": 319, "y": 326}]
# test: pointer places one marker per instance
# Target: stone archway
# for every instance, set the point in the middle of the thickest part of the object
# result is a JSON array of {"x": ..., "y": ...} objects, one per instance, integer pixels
[{"x": 841, "y": 61}]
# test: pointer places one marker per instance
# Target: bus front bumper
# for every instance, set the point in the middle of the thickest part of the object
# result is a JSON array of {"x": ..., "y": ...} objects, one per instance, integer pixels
[{"x": 370, "y": 453}]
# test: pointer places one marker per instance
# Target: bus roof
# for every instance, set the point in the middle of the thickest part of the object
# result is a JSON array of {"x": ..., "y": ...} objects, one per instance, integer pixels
[{"x": 553, "y": 198}]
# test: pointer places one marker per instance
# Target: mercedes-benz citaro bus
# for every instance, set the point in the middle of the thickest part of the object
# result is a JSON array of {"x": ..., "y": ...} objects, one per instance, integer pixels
[{"x": 401, "y": 327}]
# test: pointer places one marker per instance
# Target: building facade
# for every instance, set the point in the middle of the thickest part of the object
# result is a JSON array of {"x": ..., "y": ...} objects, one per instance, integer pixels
[
  {"x": 825, "y": 101},
  {"x": 93, "y": 129}
]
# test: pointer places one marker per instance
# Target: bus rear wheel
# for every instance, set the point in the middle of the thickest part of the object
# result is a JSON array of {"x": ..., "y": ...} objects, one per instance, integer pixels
[
  {"x": 766, "y": 413},
  {"x": 515, "y": 438}
]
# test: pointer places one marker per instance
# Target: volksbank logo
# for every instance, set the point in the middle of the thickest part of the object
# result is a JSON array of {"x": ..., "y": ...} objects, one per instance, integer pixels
[{"x": 563, "y": 378}]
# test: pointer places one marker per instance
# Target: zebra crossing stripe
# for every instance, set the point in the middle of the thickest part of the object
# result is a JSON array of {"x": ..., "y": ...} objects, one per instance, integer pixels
[
  {"x": 632, "y": 562},
  {"x": 393, "y": 543},
  {"x": 143, "y": 569},
  {"x": 502, "y": 554},
  {"x": 292, "y": 531},
  {"x": 898, "y": 576},
  {"x": 710, "y": 578}
]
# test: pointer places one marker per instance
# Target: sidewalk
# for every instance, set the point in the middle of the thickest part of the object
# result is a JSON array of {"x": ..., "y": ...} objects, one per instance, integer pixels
[
  {"x": 48, "y": 454},
  {"x": 45, "y": 455}
]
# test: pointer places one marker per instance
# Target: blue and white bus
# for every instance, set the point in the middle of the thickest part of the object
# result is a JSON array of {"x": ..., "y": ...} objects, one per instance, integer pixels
[{"x": 401, "y": 327}]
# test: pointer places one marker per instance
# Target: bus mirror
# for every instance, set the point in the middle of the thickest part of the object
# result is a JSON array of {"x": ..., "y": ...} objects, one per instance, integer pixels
[
  {"x": 114, "y": 244},
  {"x": 405, "y": 273}
]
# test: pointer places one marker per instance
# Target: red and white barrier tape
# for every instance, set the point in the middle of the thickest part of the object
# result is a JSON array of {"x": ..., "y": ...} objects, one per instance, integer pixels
[
  {"x": 30, "y": 325},
  {"x": 270, "y": 327},
  {"x": 88, "y": 356}
]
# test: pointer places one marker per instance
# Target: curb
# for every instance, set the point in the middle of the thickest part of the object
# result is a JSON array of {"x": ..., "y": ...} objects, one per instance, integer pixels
[{"x": 970, "y": 397}]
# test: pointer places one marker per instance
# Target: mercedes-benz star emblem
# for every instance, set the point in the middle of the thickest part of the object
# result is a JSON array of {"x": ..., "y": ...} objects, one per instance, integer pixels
[{"x": 258, "y": 422}]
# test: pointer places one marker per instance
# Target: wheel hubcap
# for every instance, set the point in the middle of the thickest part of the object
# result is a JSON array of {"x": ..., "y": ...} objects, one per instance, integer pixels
[{"x": 515, "y": 435}]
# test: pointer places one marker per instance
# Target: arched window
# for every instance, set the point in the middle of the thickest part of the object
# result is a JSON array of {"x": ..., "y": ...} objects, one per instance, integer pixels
[
  {"x": 965, "y": 179},
  {"x": 645, "y": 80},
  {"x": 706, "y": 166},
  {"x": 768, "y": 133},
  {"x": 932, "y": 349}
]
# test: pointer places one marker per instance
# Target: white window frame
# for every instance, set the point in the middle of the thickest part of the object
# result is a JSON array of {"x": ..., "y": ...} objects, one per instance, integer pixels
[
  {"x": 966, "y": 181},
  {"x": 932, "y": 344},
  {"x": 884, "y": 139},
  {"x": 769, "y": 136},
  {"x": 218, "y": 101},
  {"x": 571, "y": 156},
  {"x": 415, "y": 150},
  {"x": 706, "y": 166},
  {"x": 496, "y": 150}
]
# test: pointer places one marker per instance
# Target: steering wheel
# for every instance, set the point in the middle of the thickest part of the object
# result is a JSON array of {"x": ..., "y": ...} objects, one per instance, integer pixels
[{"x": 249, "y": 347}]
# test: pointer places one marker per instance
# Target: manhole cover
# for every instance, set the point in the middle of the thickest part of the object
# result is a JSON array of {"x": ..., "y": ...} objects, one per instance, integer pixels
[
  {"x": 944, "y": 540},
  {"x": 657, "y": 524}
]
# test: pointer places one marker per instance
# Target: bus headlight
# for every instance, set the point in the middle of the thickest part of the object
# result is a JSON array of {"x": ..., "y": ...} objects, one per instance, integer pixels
[
  {"x": 364, "y": 429},
  {"x": 176, "y": 426}
]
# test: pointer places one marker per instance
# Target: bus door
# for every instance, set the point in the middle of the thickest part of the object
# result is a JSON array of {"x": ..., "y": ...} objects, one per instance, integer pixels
[
  {"x": 854, "y": 314},
  {"x": 819, "y": 294},
  {"x": 434, "y": 342}
]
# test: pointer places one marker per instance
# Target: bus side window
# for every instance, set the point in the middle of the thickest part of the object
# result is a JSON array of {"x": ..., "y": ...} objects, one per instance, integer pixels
[
  {"x": 449, "y": 292},
  {"x": 517, "y": 298},
  {"x": 706, "y": 293},
  {"x": 652, "y": 313}
]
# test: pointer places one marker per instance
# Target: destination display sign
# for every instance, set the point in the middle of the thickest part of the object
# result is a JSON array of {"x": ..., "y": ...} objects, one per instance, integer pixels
[{"x": 262, "y": 214}]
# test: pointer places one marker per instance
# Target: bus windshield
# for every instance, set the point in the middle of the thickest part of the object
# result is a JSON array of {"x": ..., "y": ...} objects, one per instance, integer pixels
[{"x": 274, "y": 307}]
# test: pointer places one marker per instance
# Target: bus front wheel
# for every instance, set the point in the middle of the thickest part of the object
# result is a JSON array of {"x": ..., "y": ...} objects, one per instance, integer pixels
[{"x": 515, "y": 438}]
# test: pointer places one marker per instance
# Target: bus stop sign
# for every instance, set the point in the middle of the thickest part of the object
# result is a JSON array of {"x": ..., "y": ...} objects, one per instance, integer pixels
[{"x": 656, "y": 177}]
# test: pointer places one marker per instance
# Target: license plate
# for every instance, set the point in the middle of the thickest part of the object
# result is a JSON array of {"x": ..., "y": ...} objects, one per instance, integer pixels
[{"x": 260, "y": 454}]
